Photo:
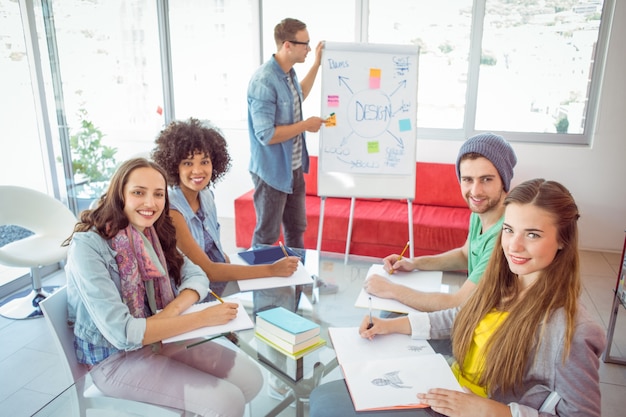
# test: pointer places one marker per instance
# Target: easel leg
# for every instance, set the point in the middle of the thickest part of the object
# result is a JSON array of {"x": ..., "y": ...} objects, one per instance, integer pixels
[
  {"x": 315, "y": 293},
  {"x": 410, "y": 211},
  {"x": 349, "y": 237}
]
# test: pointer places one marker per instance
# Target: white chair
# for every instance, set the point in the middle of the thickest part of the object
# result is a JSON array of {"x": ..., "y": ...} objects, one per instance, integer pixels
[
  {"x": 51, "y": 222},
  {"x": 90, "y": 399}
]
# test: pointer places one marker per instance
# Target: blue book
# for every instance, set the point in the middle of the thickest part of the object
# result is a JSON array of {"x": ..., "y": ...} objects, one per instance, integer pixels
[
  {"x": 266, "y": 255},
  {"x": 287, "y": 325}
]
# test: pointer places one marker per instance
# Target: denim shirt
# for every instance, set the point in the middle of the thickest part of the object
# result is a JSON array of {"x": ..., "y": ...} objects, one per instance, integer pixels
[
  {"x": 271, "y": 104},
  {"x": 95, "y": 305},
  {"x": 196, "y": 226}
]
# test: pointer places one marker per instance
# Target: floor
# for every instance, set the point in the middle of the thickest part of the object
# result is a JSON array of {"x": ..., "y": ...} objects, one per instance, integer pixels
[{"x": 30, "y": 377}]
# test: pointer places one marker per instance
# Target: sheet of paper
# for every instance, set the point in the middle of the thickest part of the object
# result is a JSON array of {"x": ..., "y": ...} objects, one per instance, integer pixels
[
  {"x": 241, "y": 322},
  {"x": 394, "y": 382},
  {"x": 427, "y": 281},
  {"x": 300, "y": 277},
  {"x": 351, "y": 347}
]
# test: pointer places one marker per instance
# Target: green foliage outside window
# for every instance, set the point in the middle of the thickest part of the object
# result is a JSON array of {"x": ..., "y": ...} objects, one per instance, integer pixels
[{"x": 91, "y": 159}]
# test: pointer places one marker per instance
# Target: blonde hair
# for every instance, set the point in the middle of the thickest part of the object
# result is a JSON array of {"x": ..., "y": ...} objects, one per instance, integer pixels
[{"x": 513, "y": 345}]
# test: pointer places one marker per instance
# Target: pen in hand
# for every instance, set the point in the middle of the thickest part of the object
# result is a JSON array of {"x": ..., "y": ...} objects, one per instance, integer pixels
[{"x": 371, "y": 323}]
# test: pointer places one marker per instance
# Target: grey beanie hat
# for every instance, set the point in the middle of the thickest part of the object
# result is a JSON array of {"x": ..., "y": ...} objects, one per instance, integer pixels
[{"x": 496, "y": 149}]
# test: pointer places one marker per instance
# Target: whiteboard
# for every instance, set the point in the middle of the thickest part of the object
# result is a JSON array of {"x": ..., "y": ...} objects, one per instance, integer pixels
[{"x": 369, "y": 97}]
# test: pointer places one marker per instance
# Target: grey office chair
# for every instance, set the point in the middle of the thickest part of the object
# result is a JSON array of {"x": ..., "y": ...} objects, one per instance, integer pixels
[
  {"x": 51, "y": 223},
  {"x": 88, "y": 397}
]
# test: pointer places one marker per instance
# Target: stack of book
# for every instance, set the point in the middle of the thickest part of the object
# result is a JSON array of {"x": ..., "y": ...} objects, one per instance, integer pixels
[{"x": 287, "y": 339}]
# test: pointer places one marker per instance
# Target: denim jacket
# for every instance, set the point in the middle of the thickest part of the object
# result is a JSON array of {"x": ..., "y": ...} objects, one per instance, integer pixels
[
  {"x": 271, "y": 104},
  {"x": 95, "y": 305},
  {"x": 179, "y": 203}
]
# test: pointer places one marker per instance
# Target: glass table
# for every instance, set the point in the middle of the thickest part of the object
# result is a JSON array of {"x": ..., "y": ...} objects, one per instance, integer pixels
[{"x": 329, "y": 310}]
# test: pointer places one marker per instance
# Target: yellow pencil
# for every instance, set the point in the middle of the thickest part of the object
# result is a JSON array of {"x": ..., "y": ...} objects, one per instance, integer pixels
[
  {"x": 401, "y": 255},
  {"x": 284, "y": 250},
  {"x": 404, "y": 250},
  {"x": 217, "y": 297}
]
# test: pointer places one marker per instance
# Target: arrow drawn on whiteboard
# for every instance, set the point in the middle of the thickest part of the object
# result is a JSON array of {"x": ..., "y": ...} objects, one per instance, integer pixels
[
  {"x": 402, "y": 108},
  {"x": 345, "y": 139},
  {"x": 342, "y": 81},
  {"x": 399, "y": 140},
  {"x": 401, "y": 84}
]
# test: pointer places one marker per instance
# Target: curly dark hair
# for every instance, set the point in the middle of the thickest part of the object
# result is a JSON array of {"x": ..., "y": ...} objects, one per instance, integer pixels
[{"x": 183, "y": 139}]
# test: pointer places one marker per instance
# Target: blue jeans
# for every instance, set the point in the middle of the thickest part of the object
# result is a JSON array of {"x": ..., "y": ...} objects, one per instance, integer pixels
[{"x": 274, "y": 208}]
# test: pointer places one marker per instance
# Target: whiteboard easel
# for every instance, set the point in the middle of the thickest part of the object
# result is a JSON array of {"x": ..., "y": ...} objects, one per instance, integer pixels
[{"x": 368, "y": 144}]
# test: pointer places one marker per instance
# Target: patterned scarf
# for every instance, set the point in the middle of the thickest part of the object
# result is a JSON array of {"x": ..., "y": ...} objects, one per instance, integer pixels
[{"x": 143, "y": 271}]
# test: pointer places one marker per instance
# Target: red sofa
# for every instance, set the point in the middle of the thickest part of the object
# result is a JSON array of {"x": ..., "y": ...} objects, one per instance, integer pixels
[{"x": 380, "y": 226}]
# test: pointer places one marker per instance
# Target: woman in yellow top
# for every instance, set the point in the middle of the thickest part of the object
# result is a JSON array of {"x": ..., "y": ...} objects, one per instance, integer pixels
[{"x": 523, "y": 344}]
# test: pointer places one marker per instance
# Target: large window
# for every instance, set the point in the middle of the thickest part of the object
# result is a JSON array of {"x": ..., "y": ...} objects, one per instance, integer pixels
[
  {"x": 536, "y": 64},
  {"x": 109, "y": 99},
  {"x": 523, "y": 67},
  {"x": 24, "y": 156},
  {"x": 212, "y": 58},
  {"x": 442, "y": 31}
]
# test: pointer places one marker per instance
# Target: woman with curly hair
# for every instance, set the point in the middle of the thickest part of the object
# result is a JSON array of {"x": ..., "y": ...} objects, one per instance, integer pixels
[
  {"x": 195, "y": 156},
  {"x": 127, "y": 285}
]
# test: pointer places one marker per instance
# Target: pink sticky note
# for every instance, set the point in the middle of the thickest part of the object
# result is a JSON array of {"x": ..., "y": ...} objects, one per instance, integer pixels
[{"x": 375, "y": 78}]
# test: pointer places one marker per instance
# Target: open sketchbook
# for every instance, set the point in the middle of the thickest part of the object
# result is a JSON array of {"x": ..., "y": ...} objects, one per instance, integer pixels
[
  {"x": 241, "y": 322},
  {"x": 300, "y": 277},
  {"x": 427, "y": 281},
  {"x": 388, "y": 371},
  {"x": 385, "y": 384}
]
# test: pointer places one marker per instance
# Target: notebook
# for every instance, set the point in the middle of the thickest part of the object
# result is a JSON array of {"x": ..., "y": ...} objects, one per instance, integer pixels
[{"x": 266, "y": 255}]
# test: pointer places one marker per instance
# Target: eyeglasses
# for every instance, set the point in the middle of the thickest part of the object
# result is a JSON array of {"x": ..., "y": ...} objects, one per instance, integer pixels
[{"x": 299, "y": 43}]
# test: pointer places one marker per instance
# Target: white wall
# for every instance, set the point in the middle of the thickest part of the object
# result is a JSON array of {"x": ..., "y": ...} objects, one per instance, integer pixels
[{"x": 596, "y": 174}]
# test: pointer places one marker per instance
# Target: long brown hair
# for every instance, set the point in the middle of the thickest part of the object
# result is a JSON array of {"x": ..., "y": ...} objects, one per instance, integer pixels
[
  {"x": 108, "y": 217},
  {"x": 513, "y": 345}
]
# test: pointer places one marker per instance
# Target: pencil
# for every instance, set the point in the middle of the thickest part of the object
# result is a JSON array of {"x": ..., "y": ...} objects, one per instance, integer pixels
[
  {"x": 283, "y": 249},
  {"x": 217, "y": 297},
  {"x": 404, "y": 250},
  {"x": 401, "y": 255},
  {"x": 371, "y": 324}
]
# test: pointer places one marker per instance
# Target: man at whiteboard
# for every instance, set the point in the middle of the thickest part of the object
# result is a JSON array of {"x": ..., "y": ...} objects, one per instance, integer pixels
[
  {"x": 279, "y": 156},
  {"x": 484, "y": 167},
  {"x": 276, "y": 127}
]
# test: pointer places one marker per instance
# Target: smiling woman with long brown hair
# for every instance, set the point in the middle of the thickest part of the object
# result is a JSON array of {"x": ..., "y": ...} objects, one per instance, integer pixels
[{"x": 127, "y": 285}]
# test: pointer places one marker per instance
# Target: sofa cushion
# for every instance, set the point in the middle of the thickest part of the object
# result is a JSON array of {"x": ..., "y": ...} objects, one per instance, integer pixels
[
  {"x": 435, "y": 228},
  {"x": 437, "y": 185}
]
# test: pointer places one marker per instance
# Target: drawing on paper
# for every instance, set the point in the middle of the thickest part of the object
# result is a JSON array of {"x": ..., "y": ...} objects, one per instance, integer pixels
[
  {"x": 415, "y": 348},
  {"x": 390, "y": 378}
]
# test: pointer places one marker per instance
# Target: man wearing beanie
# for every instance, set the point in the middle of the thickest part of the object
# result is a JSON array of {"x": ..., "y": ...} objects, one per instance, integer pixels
[{"x": 484, "y": 167}]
